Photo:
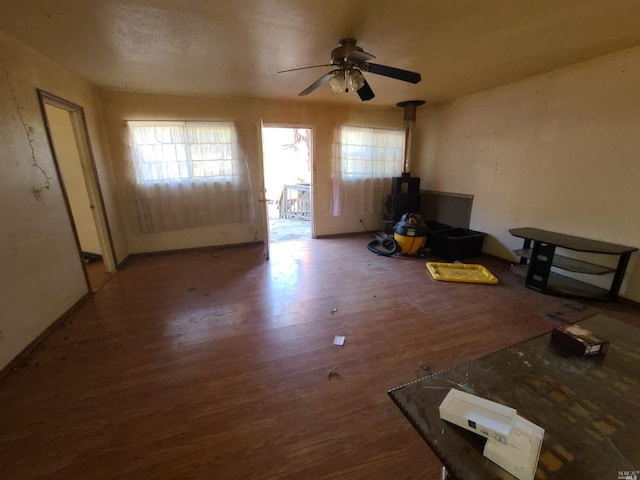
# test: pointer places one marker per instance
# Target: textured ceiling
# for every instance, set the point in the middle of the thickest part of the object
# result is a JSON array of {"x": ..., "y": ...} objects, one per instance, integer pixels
[{"x": 234, "y": 48}]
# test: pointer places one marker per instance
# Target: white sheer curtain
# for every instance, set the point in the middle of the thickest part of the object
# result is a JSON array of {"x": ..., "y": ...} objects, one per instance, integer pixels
[
  {"x": 187, "y": 174},
  {"x": 364, "y": 160}
]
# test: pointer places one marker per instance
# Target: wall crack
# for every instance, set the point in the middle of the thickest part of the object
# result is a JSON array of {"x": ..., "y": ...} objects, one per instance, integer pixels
[{"x": 28, "y": 130}]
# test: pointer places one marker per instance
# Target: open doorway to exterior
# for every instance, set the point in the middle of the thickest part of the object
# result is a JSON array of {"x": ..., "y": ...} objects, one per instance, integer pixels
[
  {"x": 288, "y": 183},
  {"x": 69, "y": 141}
]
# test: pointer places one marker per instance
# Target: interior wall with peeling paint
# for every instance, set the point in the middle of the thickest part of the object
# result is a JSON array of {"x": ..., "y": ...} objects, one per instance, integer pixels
[
  {"x": 41, "y": 274},
  {"x": 558, "y": 151}
]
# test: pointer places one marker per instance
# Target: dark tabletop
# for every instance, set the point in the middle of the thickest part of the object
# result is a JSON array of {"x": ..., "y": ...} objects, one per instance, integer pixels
[
  {"x": 569, "y": 241},
  {"x": 589, "y": 407}
]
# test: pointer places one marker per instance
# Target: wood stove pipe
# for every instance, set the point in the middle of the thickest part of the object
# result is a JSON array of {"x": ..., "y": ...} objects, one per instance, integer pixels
[{"x": 410, "y": 107}]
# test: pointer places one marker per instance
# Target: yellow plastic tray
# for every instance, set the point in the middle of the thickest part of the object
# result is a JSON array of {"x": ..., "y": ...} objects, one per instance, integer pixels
[{"x": 460, "y": 272}]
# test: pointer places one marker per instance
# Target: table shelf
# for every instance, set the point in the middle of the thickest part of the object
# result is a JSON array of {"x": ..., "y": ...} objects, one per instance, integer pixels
[
  {"x": 538, "y": 256},
  {"x": 570, "y": 264},
  {"x": 559, "y": 284}
]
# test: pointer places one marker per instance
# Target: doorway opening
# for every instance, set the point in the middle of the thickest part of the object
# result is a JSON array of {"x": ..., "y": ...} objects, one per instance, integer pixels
[
  {"x": 288, "y": 182},
  {"x": 71, "y": 149}
]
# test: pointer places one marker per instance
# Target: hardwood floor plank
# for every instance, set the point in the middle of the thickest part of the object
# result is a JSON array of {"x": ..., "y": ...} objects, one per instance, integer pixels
[{"x": 217, "y": 364}]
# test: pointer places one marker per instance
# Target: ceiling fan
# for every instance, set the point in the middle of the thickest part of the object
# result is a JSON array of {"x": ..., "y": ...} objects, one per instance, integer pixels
[{"x": 350, "y": 61}]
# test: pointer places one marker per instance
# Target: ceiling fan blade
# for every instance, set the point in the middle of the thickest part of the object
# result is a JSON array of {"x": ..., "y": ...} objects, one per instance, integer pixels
[
  {"x": 325, "y": 78},
  {"x": 359, "y": 57},
  {"x": 304, "y": 68},
  {"x": 397, "y": 73},
  {"x": 365, "y": 93}
]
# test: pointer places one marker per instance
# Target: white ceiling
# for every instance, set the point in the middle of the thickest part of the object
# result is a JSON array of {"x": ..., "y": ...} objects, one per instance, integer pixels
[{"x": 233, "y": 48}]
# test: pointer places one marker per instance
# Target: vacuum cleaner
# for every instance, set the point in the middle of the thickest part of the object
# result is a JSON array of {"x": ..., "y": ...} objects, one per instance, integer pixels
[
  {"x": 410, "y": 233},
  {"x": 409, "y": 238}
]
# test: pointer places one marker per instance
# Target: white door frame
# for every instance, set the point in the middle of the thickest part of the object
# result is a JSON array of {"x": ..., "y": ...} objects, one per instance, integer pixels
[
  {"x": 90, "y": 174},
  {"x": 262, "y": 199},
  {"x": 311, "y": 165}
]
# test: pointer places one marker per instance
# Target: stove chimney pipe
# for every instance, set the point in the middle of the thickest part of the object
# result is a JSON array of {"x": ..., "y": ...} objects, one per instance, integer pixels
[{"x": 410, "y": 107}]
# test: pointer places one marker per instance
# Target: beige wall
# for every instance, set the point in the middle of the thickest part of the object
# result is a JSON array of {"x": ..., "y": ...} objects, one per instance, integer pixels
[
  {"x": 557, "y": 151},
  {"x": 120, "y": 106},
  {"x": 41, "y": 275}
]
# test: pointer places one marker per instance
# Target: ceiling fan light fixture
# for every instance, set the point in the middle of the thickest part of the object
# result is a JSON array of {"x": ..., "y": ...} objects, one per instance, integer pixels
[
  {"x": 349, "y": 62},
  {"x": 338, "y": 82},
  {"x": 356, "y": 79}
]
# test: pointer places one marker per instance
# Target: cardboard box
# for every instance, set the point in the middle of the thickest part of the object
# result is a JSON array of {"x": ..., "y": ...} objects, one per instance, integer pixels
[
  {"x": 520, "y": 456},
  {"x": 578, "y": 340},
  {"x": 479, "y": 415}
]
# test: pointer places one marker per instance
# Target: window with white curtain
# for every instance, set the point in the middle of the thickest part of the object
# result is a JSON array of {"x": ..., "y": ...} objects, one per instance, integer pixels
[
  {"x": 174, "y": 151},
  {"x": 187, "y": 174},
  {"x": 365, "y": 159}
]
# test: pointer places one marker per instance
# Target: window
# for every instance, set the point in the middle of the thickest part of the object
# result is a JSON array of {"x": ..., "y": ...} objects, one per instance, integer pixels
[
  {"x": 370, "y": 152},
  {"x": 179, "y": 151},
  {"x": 364, "y": 161},
  {"x": 187, "y": 174}
]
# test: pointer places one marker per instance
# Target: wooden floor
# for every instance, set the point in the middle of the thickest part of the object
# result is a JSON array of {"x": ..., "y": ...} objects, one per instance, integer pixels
[
  {"x": 97, "y": 275},
  {"x": 219, "y": 365}
]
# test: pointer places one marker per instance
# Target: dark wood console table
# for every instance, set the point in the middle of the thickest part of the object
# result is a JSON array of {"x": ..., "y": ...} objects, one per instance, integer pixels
[{"x": 538, "y": 256}]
